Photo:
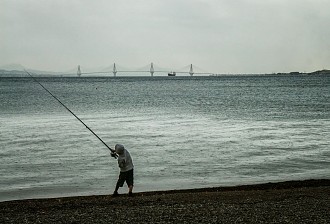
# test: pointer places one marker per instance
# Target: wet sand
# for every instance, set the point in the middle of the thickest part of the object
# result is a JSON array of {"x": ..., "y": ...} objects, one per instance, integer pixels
[{"x": 286, "y": 202}]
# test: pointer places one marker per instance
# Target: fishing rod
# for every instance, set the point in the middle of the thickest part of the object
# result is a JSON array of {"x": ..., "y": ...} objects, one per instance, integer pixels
[{"x": 113, "y": 152}]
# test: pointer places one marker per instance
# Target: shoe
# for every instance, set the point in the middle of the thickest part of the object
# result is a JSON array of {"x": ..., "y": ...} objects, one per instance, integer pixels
[
  {"x": 115, "y": 194},
  {"x": 130, "y": 194}
]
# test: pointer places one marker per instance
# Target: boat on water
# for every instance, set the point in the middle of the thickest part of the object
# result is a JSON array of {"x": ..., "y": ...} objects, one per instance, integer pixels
[{"x": 171, "y": 74}]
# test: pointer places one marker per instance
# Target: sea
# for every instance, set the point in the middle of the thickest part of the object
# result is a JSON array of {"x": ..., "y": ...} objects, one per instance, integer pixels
[{"x": 182, "y": 132}]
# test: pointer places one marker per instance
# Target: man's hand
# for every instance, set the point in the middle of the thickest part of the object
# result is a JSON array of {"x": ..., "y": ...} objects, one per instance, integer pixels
[{"x": 114, "y": 155}]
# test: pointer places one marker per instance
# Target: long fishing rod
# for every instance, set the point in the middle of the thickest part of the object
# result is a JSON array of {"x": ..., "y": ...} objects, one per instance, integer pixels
[{"x": 113, "y": 151}]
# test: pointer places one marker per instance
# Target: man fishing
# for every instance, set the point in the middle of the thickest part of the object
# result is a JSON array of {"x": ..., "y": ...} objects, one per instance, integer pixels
[{"x": 126, "y": 166}]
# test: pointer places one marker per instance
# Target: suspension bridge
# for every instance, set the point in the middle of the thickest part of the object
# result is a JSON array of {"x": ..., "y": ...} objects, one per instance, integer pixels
[{"x": 151, "y": 69}]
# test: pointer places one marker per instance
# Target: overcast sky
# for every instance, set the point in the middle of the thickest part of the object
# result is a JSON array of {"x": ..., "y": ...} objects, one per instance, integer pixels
[{"x": 221, "y": 36}]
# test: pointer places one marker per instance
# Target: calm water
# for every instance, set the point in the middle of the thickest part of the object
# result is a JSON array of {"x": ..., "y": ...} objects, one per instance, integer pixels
[{"x": 182, "y": 132}]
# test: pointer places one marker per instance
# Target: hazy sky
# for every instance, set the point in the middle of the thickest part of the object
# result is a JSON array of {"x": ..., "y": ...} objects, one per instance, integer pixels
[{"x": 222, "y": 36}]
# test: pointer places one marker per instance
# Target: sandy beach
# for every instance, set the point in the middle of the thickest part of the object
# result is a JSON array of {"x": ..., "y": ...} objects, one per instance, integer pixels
[{"x": 305, "y": 201}]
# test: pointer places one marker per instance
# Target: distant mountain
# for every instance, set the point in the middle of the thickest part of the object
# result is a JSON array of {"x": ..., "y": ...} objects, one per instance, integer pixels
[
  {"x": 321, "y": 72},
  {"x": 12, "y": 67},
  {"x": 19, "y": 70}
]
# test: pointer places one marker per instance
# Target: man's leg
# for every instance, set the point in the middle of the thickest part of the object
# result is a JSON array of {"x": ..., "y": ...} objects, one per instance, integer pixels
[
  {"x": 130, "y": 189},
  {"x": 117, "y": 187},
  {"x": 130, "y": 182},
  {"x": 119, "y": 184}
]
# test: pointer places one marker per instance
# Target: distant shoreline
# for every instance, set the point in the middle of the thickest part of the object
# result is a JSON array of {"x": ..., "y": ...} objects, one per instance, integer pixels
[{"x": 19, "y": 73}]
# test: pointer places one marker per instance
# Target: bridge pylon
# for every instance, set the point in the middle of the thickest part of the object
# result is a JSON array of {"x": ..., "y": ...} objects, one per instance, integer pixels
[
  {"x": 152, "y": 70},
  {"x": 78, "y": 71},
  {"x": 114, "y": 70},
  {"x": 191, "y": 71}
]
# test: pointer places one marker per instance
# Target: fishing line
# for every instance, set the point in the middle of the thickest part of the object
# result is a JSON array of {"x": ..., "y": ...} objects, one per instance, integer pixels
[{"x": 113, "y": 151}]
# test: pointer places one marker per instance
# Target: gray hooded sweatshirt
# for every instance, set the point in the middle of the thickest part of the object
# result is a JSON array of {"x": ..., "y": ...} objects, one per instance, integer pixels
[{"x": 125, "y": 161}]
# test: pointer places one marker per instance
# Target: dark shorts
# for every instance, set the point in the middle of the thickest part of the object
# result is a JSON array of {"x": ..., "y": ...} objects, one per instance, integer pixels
[{"x": 126, "y": 176}]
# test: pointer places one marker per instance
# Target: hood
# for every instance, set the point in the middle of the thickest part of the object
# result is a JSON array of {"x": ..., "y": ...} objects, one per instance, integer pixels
[{"x": 119, "y": 148}]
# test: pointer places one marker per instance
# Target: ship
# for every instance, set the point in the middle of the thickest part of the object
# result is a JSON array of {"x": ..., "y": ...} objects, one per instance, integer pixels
[{"x": 171, "y": 74}]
